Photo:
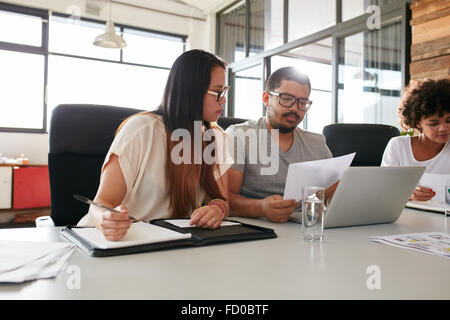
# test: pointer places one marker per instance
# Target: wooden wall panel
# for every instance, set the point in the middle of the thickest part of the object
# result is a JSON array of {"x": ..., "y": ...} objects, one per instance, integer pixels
[
  {"x": 430, "y": 29},
  {"x": 430, "y": 49},
  {"x": 424, "y": 11}
]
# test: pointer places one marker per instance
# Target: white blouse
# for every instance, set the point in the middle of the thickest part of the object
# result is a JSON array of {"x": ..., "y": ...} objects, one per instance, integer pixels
[
  {"x": 141, "y": 150},
  {"x": 399, "y": 152}
]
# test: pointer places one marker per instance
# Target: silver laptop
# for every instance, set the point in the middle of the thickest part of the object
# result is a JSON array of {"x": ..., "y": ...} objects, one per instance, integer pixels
[{"x": 370, "y": 195}]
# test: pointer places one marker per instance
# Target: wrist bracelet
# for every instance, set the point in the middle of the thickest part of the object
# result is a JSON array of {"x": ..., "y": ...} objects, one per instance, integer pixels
[{"x": 219, "y": 205}]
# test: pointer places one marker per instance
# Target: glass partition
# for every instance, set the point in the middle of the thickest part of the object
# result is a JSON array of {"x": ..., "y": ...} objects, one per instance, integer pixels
[
  {"x": 369, "y": 74},
  {"x": 232, "y": 33},
  {"x": 315, "y": 61},
  {"x": 248, "y": 93},
  {"x": 306, "y": 17}
]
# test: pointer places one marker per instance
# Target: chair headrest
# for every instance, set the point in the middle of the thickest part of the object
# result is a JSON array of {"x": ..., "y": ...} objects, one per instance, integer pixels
[{"x": 73, "y": 125}]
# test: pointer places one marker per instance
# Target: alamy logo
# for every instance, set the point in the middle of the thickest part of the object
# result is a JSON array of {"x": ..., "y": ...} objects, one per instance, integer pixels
[
  {"x": 374, "y": 280},
  {"x": 262, "y": 147},
  {"x": 74, "y": 279},
  {"x": 374, "y": 21},
  {"x": 75, "y": 14}
]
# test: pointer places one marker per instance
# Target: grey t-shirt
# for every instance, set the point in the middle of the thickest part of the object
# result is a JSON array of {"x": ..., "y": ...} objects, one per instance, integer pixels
[{"x": 253, "y": 147}]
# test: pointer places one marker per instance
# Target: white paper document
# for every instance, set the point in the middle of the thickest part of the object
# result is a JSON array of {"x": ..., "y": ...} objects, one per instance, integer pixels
[
  {"x": 319, "y": 173},
  {"x": 184, "y": 223},
  {"x": 139, "y": 233},
  {"x": 429, "y": 205},
  {"x": 437, "y": 183},
  {"x": 25, "y": 260},
  {"x": 437, "y": 243}
]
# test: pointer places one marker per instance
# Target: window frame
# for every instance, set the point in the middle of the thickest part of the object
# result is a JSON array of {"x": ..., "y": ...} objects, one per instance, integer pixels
[
  {"x": 390, "y": 13},
  {"x": 44, "y": 50}
]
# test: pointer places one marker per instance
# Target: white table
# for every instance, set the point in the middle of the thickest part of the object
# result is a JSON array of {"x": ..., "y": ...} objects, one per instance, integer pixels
[{"x": 283, "y": 268}]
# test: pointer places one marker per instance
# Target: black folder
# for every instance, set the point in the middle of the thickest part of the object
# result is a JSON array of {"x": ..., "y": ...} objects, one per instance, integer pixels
[{"x": 199, "y": 237}]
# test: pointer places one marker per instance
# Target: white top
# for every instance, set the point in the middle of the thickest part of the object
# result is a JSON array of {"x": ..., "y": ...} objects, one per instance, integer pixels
[
  {"x": 399, "y": 152},
  {"x": 141, "y": 149}
]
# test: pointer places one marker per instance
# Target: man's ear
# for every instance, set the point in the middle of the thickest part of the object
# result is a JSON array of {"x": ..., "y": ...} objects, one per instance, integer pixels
[{"x": 265, "y": 98}]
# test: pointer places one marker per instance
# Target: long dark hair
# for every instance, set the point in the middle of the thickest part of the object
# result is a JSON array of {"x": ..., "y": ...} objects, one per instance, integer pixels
[
  {"x": 181, "y": 105},
  {"x": 186, "y": 86}
]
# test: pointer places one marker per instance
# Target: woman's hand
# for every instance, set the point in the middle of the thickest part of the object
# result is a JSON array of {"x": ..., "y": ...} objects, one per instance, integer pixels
[
  {"x": 113, "y": 225},
  {"x": 422, "y": 194},
  {"x": 209, "y": 217}
]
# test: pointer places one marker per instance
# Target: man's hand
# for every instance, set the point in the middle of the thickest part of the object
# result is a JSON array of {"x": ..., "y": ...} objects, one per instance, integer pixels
[
  {"x": 276, "y": 209},
  {"x": 329, "y": 192}
]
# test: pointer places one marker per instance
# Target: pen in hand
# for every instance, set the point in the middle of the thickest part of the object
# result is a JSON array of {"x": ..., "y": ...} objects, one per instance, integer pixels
[{"x": 88, "y": 201}]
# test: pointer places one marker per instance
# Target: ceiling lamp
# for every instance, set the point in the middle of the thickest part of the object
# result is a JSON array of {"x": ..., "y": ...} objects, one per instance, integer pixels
[{"x": 110, "y": 39}]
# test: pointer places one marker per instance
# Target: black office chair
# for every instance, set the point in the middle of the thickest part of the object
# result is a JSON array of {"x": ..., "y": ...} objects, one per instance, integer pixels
[
  {"x": 79, "y": 138},
  {"x": 225, "y": 122},
  {"x": 367, "y": 140}
]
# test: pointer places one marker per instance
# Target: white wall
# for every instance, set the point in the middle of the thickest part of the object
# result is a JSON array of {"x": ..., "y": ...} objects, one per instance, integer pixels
[
  {"x": 34, "y": 146},
  {"x": 200, "y": 33}
]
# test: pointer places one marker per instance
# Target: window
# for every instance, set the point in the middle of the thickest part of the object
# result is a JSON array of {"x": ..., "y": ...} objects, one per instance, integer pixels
[
  {"x": 56, "y": 53},
  {"x": 133, "y": 79},
  {"x": 266, "y": 25},
  {"x": 71, "y": 38},
  {"x": 370, "y": 76},
  {"x": 265, "y": 28},
  {"x": 22, "y": 69},
  {"x": 22, "y": 92},
  {"x": 232, "y": 33},
  {"x": 248, "y": 93},
  {"x": 23, "y": 29},
  {"x": 307, "y": 17},
  {"x": 356, "y": 73},
  {"x": 76, "y": 80},
  {"x": 151, "y": 48},
  {"x": 315, "y": 61},
  {"x": 354, "y": 8}
]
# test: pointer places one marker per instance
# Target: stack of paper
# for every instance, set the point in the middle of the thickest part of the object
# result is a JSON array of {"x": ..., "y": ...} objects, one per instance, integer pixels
[
  {"x": 430, "y": 242},
  {"x": 23, "y": 260},
  {"x": 138, "y": 234}
]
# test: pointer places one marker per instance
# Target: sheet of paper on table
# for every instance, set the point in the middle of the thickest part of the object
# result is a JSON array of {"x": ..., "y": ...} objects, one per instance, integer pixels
[
  {"x": 25, "y": 260},
  {"x": 184, "y": 223},
  {"x": 437, "y": 243}
]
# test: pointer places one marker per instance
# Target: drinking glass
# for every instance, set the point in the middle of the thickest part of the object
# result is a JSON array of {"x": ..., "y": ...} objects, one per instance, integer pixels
[{"x": 313, "y": 213}]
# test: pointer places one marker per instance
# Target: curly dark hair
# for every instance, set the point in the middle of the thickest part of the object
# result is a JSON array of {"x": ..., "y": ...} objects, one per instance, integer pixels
[{"x": 424, "y": 98}]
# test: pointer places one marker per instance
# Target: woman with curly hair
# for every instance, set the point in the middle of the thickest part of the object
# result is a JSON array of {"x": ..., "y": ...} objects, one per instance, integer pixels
[{"x": 425, "y": 107}]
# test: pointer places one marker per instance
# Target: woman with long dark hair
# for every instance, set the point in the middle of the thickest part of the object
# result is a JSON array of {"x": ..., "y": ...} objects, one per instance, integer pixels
[{"x": 149, "y": 173}]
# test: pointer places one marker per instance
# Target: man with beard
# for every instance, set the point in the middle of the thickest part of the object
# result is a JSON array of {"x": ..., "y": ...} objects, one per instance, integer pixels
[{"x": 251, "y": 193}]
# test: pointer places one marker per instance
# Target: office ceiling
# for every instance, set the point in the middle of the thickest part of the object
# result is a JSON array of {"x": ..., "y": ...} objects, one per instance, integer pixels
[{"x": 204, "y": 6}]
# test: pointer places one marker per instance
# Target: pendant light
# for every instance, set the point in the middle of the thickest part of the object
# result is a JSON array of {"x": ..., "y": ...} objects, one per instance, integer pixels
[{"x": 110, "y": 39}]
